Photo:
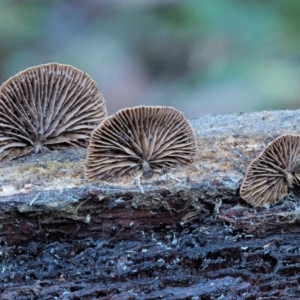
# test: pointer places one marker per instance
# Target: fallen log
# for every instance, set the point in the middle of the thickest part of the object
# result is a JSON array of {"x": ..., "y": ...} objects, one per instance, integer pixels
[{"x": 183, "y": 233}]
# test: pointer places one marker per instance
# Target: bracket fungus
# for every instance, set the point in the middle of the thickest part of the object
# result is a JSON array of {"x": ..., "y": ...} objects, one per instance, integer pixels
[
  {"x": 269, "y": 176},
  {"x": 50, "y": 106},
  {"x": 136, "y": 141}
]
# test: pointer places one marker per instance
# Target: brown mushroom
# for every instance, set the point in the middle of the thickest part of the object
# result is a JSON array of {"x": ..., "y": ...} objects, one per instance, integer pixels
[
  {"x": 272, "y": 172},
  {"x": 136, "y": 141},
  {"x": 50, "y": 106}
]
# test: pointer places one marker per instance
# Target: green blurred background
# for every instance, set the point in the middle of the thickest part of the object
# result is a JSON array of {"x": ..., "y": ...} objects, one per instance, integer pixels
[{"x": 200, "y": 56}]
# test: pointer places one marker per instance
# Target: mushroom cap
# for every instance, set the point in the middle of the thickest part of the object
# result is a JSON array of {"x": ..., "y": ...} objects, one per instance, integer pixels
[
  {"x": 136, "y": 141},
  {"x": 50, "y": 106},
  {"x": 270, "y": 174}
]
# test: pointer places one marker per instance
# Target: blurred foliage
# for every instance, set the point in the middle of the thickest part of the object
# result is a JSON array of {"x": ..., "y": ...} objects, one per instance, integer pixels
[{"x": 197, "y": 55}]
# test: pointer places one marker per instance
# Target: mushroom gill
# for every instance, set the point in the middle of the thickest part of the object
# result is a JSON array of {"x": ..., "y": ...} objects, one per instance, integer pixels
[
  {"x": 50, "y": 106},
  {"x": 270, "y": 174},
  {"x": 136, "y": 141}
]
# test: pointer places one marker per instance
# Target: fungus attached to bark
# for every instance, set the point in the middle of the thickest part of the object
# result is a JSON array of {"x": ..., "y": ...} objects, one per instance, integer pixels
[
  {"x": 50, "y": 106},
  {"x": 136, "y": 141},
  {"x": 270, "y": 175}
]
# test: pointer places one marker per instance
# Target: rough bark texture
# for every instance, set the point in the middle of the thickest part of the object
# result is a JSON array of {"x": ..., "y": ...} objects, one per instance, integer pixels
[{"x": 184, "y": 234}]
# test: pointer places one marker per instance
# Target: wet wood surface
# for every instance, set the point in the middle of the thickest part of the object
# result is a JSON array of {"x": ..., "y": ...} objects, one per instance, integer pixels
[{"x": 183, "y": 233}]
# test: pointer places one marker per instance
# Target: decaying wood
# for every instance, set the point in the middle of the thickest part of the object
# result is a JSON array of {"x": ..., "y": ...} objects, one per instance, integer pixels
[{"x": 182, "y": 234}]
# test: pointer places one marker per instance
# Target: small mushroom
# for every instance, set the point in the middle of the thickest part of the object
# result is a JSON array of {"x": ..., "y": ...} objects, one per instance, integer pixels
[
  {"x": 270, "y": 175},
  {"x": 136, "y": 141},
  {"x": 50, "y": 106}
]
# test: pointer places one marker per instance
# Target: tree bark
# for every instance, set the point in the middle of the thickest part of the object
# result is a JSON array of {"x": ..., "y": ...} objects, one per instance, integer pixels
[{"x": 180, "y": 234}]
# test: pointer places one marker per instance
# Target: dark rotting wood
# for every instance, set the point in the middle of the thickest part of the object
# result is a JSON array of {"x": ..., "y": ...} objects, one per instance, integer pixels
[{"x": 183, "y": 234}]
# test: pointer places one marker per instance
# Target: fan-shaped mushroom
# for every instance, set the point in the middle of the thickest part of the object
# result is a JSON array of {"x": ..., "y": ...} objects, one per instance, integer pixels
[
  {"x": 273, "y": 171},
  {"x": 50, "y": 106},
  {"x": 136, "y": 141}
]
